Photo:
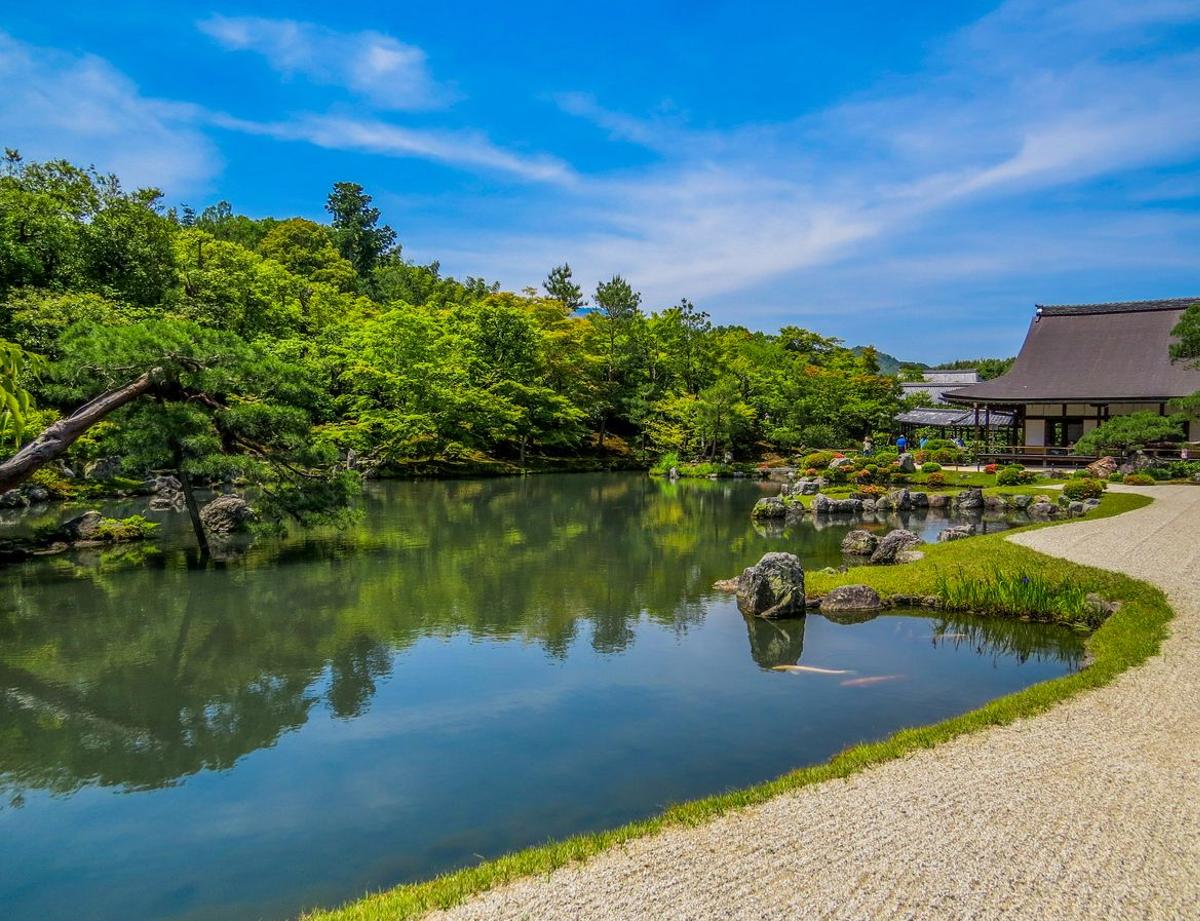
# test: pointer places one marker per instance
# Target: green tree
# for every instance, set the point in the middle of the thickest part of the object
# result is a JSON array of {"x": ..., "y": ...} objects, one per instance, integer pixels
[
  {"x": 1122, "y": 435},
  {"x": 306, "y": 248},
  {"x": 617, "y": 320},
  {"x": 359, "y": 236},
  {"x": 558, "y": 285}
]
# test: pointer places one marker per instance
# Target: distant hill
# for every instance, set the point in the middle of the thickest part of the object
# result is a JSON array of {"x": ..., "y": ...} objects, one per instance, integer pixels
[{"x": 888, "y": 364}]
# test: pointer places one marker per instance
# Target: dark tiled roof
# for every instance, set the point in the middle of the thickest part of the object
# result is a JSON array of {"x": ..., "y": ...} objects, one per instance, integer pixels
[
  {"x": 1065, "y": 310},
  {"x": 1094, "y": 353},
  {"x": 953, "y": 416}
]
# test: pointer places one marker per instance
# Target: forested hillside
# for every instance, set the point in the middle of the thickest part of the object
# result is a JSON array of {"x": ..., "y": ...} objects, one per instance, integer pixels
[{"x": 279, "y": 347}]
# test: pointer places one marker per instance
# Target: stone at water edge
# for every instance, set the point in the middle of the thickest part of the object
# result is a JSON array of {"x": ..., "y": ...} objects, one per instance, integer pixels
[
  {"x": 851, "y": 598},
  {"x": 773, "y": 587},
  {"x": 958, "y": 532},
  {"x": 770, "y": 507},
  {"x": 891, "y": 545},
  {"x": 938, "y": 500},
  {"x": 969, "y": 498},
  {"x": 227, "y": 515},
  {"x": 83, "y": 527},
  {"x": 859, "y": 543}
]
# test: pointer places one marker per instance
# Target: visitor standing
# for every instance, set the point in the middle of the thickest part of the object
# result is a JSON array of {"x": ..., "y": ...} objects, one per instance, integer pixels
[
  {"x": 902, "y": 444},
  {"x": 868, "y": 446}
]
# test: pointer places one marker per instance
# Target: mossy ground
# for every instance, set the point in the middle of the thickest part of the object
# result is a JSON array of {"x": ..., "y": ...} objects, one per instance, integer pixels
[{"x": 1131, "y": 635}]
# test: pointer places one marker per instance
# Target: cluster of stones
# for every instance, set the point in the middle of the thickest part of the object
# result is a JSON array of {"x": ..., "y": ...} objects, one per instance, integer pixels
[
  {"x": 894, "y": 547},
  {"x": 774, "y": 588},
  {"x": 788, "y": 499}
]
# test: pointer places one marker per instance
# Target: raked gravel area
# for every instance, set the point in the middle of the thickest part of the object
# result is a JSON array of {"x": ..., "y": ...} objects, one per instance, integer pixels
[{"x": 1091, "y": 810}]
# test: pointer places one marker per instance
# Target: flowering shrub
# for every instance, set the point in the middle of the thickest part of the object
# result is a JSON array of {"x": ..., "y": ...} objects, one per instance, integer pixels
[
  {"x": 991, "y": 468},
  {"x": 936, "y": 479}
]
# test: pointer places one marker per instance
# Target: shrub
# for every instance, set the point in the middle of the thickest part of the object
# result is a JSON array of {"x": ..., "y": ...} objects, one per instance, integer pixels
[
  {"x": 991, "y": 468},
  {"x": 871, "y": 492},
  {"x": 1138, "y": 479},
  {"x": 818, "y": 459},
  {"x": 1021, "y": 592},
  {"x": 837, "y": 475},
  {"x": 885, "y": 457},
  {"x": 1015, "y": 475},
  {"x": 936, "y": 479},
  {"x": 931, "y": 467},
  {"x": 862, "y": 476},
  {"x": 134, "y": 527},
  {"x": 664, "y": 464},
  {"x": 901, "y": 478},
  {"x": 811, "y": 471},
  {"x": 819, "y": 436},
  {"x": 1084, "y": 489},
  {"x": 948, "y": 456}
]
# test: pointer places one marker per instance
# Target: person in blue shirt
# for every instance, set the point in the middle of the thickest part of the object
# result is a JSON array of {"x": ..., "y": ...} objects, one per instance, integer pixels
[{"x": 902, "y": 444}]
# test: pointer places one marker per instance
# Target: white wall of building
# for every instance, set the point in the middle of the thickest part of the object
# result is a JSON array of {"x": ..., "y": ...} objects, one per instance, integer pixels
[{"x": 1035, "y": 431}]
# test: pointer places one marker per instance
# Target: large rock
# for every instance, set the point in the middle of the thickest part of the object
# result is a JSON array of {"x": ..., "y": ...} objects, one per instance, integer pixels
[
  {"x": 770, "y": 507},
  {"x": 851, "y": 598},
  {"x": 103, "y": 469},
  {"x": 808, "y": 486},
  {"x": 226, "y": 515},
  {"x": 1020, "y": 501},
  {"x": 84, "y": 527},
  {"x": 907, "y": 463},
  {"x": 773, "y": 587},
  {"x": 14, "y": 498},
  {"x": 823, "y": 505},
  {"x": 1042, "y": 507},
  {"x": 969, "y": 499},
  {"x": 938, "y": 500},
  {"x": 1103, "y": 468},
  {"x": 958, "y": 532},
  {"x": 919, "y": 499},
  {"x": 859, "y": 543},
  {"x": 840, "y": 462},
  {"x": 893, "y": 544}
]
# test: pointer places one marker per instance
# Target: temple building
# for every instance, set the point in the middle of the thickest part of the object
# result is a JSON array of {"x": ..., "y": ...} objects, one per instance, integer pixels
[{"x": 1080, "y": 365}]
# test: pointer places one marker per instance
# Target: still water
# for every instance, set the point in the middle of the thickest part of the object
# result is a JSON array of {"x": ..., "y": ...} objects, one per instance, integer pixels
[{"x": 475, "y": 667}]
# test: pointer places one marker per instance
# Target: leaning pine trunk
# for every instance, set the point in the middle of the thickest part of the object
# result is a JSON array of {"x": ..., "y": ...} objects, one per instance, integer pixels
[
  {"x": 59, "y": 436},
  {"x": 189, "y": 499}
]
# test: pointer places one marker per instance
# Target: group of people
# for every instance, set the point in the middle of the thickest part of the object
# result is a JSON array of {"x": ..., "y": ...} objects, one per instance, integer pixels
[{"x": 868, "y": 447}]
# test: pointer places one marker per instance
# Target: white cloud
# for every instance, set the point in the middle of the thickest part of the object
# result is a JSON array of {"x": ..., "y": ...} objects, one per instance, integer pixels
[
  {"x": 990, "y": 119},
  {"x": 386, "y": 71},
  {"x": 464, "y": 149},
  {"x": 57, "y": 105}
]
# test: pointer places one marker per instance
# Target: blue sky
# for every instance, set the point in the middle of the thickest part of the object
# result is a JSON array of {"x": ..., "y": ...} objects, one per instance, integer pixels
[{"x": 912, "y": 175}]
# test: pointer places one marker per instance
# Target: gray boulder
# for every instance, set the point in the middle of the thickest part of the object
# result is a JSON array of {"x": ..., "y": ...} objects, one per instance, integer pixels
[
  {"x": 227, "y": 515},
  {"x": 938, "y": 500},
  {"x": 14, "y": 498},
  {"x": 907, "y": 462},
  {"x": 770, "y": 507},
  {"x": 83, "y": 527},
  {"x": 892, "y": 544},
  {"x": 869, "y": 504},
  {"x": 958, "y": 532},
  {"x": 919, "y": 499},
  {"x": 1090, "y": 504},
  {"x": 969, "y": 499},
  {"x": 773, "y": 587},
  {"x": 103, "y": 469},
  {"x": 1042, "y": 507},
  {"x": 1076, "y": 509},
  {"x": 840, "y": 462},
  {"x": 823, "y": 505},
  {"x": 36, "y": 494},
  {"x": 859, "y": 543},
  {"x": 851, "y": 598},
  {"x": 1020, "y": 501}
]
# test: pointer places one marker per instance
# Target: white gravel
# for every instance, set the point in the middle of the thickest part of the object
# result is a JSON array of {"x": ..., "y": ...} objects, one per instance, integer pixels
[{"x": 1089, "y": 811}]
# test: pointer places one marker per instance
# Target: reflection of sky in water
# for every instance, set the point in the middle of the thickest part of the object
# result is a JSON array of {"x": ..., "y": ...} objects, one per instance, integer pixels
[{"x": 475, "y": 667}]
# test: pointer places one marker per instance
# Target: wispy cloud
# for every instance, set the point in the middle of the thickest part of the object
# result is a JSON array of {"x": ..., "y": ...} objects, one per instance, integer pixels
[
  {"x": 464, "y": 149},
  {"x": 992, "y": 117},
  {"x": 79, "y": 107},
  {"x": 388, "y": 72}
]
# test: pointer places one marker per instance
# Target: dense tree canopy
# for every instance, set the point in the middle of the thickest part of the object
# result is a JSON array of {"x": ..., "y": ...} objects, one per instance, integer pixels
[{"x": 322, "y": 344}]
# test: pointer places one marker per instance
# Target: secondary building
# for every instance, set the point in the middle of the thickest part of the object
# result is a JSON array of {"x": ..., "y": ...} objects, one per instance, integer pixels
[
  {"x": 1080, "y": 365},
  {"x": 933, "y": 384}
]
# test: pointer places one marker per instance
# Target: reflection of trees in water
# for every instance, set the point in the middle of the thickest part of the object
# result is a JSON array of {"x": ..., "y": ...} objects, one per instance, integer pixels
[
  {"x": 1000, "y": 637},
  {"x": 137, "y": 676}
]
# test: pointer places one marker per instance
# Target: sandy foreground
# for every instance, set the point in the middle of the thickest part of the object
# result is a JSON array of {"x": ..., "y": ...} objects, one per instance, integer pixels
[{"x": 1091, "y": 810}]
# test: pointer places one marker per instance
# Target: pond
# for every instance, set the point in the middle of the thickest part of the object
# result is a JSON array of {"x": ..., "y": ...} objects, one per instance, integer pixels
[{"x": 474, "y": 667}]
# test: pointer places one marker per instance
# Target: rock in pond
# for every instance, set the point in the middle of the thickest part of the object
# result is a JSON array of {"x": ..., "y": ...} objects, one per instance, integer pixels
[
  {"x": 823, "y": 505},
  {"x": 83, "y": 527},
  {"x": 859, "y": 543},
  {"x": 958, "y": 532},
  {"x": 851, "y": 598},
  {"x": 227, "y": 515},
  {"x": 969, "y": 499},
  {"x": 893, "y": 544},
  {"x": 938, "y": 500},
  {"x": 770, "y": 507},
  {"x": 773, "y": 587}
]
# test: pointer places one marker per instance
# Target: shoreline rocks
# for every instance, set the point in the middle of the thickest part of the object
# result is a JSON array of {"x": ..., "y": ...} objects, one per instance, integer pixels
[
  {"x": 851, "y": 598},
  {"x": 894, "y": 543},
  {"x": 227, "y": 515}
]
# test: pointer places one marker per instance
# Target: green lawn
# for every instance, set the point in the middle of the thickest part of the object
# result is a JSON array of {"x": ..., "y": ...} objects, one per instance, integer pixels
[{"x": 1127, "y": 638}]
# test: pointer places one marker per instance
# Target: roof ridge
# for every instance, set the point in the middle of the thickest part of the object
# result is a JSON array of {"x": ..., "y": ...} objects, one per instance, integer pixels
[{"x": 1173, "y": 303}]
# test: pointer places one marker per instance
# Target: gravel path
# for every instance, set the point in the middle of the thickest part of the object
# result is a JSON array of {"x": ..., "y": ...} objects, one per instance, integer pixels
[{"x": 1089, "y": 811}]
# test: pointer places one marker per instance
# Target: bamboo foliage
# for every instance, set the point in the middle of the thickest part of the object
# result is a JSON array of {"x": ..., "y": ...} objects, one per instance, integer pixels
[{"x": 15, "y": 365}]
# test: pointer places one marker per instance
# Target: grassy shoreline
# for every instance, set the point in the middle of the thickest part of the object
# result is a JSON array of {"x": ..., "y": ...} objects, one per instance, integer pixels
[{"x": 1127, "y": 638}]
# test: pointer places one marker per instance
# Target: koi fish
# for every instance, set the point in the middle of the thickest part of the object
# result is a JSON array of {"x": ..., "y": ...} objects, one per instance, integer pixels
[
  {"x": 811, "y": 669},
  {"x": 872, "y": 679}
]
